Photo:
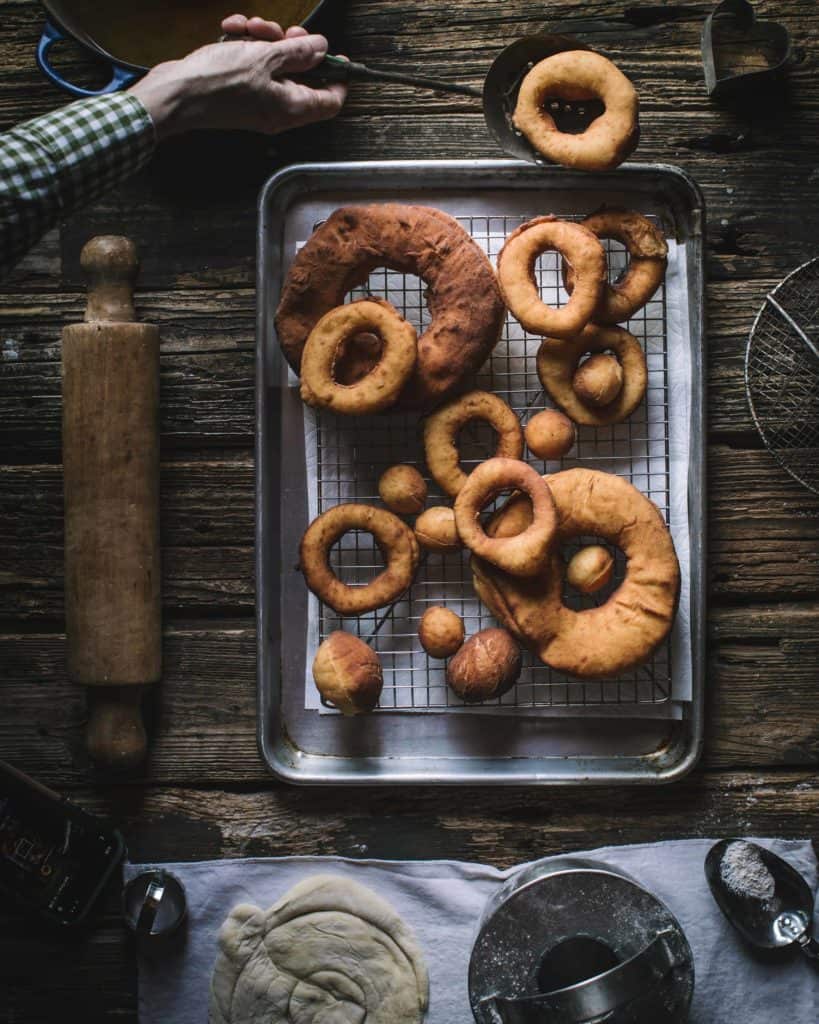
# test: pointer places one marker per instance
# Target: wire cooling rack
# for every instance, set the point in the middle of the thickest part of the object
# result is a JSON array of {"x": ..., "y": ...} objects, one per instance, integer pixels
[
  {"x": 351, "y": 453},
  {"x": 782, "y": 373}
]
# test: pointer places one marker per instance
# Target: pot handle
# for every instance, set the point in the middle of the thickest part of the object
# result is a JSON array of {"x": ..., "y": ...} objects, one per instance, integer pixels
[
  {"x": 120, "y": 77},
  {"x": 590, "y": 1000}
]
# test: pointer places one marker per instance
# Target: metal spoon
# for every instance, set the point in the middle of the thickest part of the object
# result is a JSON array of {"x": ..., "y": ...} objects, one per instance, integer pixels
[
  {"x": 502, "y": 84},
  {"x": 770, "y": 905}
]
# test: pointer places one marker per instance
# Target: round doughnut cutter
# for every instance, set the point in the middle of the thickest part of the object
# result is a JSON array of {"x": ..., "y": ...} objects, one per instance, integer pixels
[
  {"x": 154, "y": 905},
  {"x": 782, "y": 373},
  {"x": 502, "y": 85}
]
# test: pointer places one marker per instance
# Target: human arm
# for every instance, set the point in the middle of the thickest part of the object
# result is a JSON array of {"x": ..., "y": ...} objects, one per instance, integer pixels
[{"x": 56, "y": 163}]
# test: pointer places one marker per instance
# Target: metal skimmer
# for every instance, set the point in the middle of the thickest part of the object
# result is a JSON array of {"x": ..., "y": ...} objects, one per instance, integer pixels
[{"x": 782, "y": 373}]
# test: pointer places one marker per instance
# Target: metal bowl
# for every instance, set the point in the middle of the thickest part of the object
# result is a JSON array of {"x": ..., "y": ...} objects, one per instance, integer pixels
[{"x": 70, "y": 19}]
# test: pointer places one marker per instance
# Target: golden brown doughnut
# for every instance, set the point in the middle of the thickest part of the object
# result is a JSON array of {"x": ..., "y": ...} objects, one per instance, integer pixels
[
  {"x": 441, "y": 435},
  {"x": 590, "y": 569},
  {"x": 487, "y": 666},
  {"x": 464, "y": 299},
  {"x": 550, "y": 434},
  {"x": 374, "y": 391},
  {"x": 403, "y": 490},
  {"x": 580, "y": 75},
  {"x": 348, "y": 673},
  {"x": 625, "y": 630},
  {"x": 441, "y": 632},
  {"x": 648, "y": 257},
  {"x": 436, "y": 531},
  {"x": 558, "y": 360},
  {"x": 395, "y": 540},
  {"x": 526, "y": 554},
  {"x": 579, "y": 247},
  {"x": 599, "y": 380}
]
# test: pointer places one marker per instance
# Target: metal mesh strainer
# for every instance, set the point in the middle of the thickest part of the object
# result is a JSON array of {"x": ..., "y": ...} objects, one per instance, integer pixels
[{"x": 782, "y": 373}]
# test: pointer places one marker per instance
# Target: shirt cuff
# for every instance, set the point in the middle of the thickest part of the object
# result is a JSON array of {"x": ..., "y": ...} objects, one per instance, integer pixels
[{"x": 94, "y": 144}]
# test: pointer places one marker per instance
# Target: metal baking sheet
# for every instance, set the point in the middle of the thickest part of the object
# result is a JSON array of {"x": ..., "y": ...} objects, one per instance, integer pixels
[{"x": 628, "y": 730}]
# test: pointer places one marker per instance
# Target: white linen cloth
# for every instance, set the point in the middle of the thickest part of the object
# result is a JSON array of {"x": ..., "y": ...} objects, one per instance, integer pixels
[{"x": 443, "y": 902}]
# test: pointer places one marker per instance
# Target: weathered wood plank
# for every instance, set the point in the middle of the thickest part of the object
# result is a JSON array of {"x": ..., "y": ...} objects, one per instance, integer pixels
[
  {"x": 208, "y": 371},
  {"x": 763, "y": 535},
  {"x": 761, "y": 706},
  {"x": 500, "y": 827}
]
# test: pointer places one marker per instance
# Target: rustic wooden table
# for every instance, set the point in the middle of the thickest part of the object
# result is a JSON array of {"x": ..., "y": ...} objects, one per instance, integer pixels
[{"x": 204, "y": 792}]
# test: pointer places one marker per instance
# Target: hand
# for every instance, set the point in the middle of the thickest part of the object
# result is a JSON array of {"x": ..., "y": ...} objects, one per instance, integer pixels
[{"x": 243, "y": 83}]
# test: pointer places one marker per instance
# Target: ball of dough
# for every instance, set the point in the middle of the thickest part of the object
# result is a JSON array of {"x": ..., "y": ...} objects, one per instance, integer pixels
[
  {"x": 590, "y": 569},
  {"x": 436, "y": 531},
  {"x": 441, "y": 632},
  {"x": 348, "y": 673},
  {"x": 403, "y": 490},
  {"x": 599, "y": 380},
  {"x": 488, "y": 665},
  {"x": 550, "y": 434},
  {"x": 329, "y": 950}
]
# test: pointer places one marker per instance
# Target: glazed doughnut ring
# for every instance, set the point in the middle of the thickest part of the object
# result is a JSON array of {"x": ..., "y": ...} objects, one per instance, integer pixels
[
  {"x": 463, "y": 295},
  {"x": 619, "y": 634},
  {"x": 376, "y": 390},
  {"x": 525, "y": 554},
  {"x": 558, "y": 360},
  {"x": 580, "y": 248},
  {"x": 441, "y": 435},
  {"x": 395, "y": 540},
  {"x": 579, "y": 75},
  {"x": 648, "y": 256}
]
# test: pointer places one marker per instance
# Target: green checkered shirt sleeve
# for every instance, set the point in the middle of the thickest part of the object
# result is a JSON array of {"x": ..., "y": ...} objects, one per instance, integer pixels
[{"x": 53, "y": 164}]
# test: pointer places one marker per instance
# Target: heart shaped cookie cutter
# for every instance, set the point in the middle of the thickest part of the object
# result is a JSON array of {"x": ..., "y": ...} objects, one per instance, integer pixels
[{"x": 763, "y": 50}]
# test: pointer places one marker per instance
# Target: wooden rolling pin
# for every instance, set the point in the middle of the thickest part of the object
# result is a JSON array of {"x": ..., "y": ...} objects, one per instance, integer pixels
[{"x": 111, "y": 470}]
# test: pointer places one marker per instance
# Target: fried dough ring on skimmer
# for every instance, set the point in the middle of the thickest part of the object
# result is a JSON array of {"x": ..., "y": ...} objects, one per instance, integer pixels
[
  {"x": 441, "y": 435},
  {"x": 558, "y": 360},
  {"x": 395, "y": 540},
  {"x": 580, "y": 248},
  {"x": 648, "y": 257},
  {"x": 380, "y": 387},
  {"x": 579, "y": 75},
  {"x": 525, "y": 554}
]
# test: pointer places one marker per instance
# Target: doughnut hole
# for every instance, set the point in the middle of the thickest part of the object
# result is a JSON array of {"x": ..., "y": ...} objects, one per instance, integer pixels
[
  {"x": 356, "y": 558},
  {"x": 550, "y": 434},
  {"x": 598, "y": 379},
  {"x": 576, "y": 598},
  {"x": 590, "y": 569}
]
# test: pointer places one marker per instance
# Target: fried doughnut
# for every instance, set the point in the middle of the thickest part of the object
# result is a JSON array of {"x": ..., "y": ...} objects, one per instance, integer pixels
[
  {"x": 395, "y": 540},
  {"x": 619, "y": 634},
  {"x": 580, "y": 75},
  {"x": 525, "y": 554},
  {"x": 648, "y": 257},
  {"x": 579, "y": 247},
  {"x": 463, "y": 295},
  {"x": 599, "y": 380},
  {"x": 441, "y": 435},
  {"x": 590, "y": 569},
  {"x": 550, "y": 435},
  {"x": 380, "y": 387},
  {"x": 435, "y": 530},
  {"x": 441, "y": 632},
  {"x": 557, "y": 362},
  {"x": 403, "y": 490}
]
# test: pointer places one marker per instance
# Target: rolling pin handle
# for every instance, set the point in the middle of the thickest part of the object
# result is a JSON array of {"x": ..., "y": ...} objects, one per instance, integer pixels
[
  {"x": 115, "y": 737},
  {"x": 110, "y": 265}
]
